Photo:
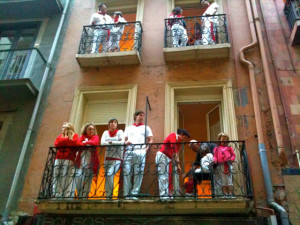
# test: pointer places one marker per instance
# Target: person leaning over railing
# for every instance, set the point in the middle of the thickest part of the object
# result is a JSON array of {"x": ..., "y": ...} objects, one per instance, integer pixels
[
  {"x": 64, "y": 161},
  {"x": 111, "y": 138},
  {"x": 223, "y": 158},
  {"x": 178, "y": 28},
  {"x": 209, "y": 22},
  {"x": 116, "y": 32},
  {"x": 87, "y": 160},
  {"x": 101, "y": 32},
  {"x": 164, "y": 157}
]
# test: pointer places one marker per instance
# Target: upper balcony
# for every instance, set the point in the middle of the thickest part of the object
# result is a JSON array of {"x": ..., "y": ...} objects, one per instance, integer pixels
[
  {"x": 26, "y": 9},
  {"x": 110, "y": 44},
  {"x": 96, "y": 184},
  {"x": 21, "y": 73},
  {"x": 198, "y": 37},
  {"x": 292, "y": 13}
]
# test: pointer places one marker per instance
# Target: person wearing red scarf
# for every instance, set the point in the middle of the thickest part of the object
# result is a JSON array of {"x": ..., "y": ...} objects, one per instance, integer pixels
[
  {"x": 224, "y": 157},
  {"x": 167, "y": 154},
  {"x": 178, "y": 28},
  {"x": 102, "y": 31},
  {"x": 113, "y": 139},
  {"x": 64, "y": 162},
  {"x": 116, "y": 32},
  {"x": 87, "y": 160},
  {"x": 135, "y": 155},
  {"x": 209, "y": 22}
]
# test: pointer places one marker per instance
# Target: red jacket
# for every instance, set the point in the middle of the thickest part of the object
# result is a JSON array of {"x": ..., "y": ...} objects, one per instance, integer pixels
[
  {"x": 189, "y": 186},
  {"x": 170, "y": 149},
  {"x": 223, "y": 154},
  {"x": 66, "y": 153},
  {"x": 92, "y": 141}
]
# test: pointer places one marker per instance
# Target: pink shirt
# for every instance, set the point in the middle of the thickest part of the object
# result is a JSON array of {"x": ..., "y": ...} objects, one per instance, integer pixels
[{"x": 223, "y": 154}]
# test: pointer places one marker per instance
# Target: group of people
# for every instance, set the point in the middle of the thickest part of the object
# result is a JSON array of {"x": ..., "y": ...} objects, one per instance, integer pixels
[
  {"x": 108, "y": 31},
  {"x": 204, "y": 34},
  {"x": 74, "y": 168}
]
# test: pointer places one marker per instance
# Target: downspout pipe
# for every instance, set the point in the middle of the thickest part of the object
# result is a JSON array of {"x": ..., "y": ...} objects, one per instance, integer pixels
[
  {"x": 33, "y": 117},
  {"x": 258, "y": 121}
]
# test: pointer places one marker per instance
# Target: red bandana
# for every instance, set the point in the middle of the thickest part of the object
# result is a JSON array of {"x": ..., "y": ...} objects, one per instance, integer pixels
[
  {"x": 137, "y": 125},
  {"x": 112, "y": 133},
  {"x": 102, "y": 13},
  {"x": 116, "y": 19}
]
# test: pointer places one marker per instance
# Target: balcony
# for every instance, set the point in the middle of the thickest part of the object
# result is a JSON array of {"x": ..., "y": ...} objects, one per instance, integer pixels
[
  {"x": 26, "y": 9},
  {"x": 92, "y": 187},
  {"x": 110, "y": 44},
  {"x": 194, "y": 38},
  {"x": 292, "y": 13},
  {"x": 21, "y": 73}
]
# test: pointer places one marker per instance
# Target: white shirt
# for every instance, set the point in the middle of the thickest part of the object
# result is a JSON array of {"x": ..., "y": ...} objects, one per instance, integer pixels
[
  {"x": 136, "y": 135},
  {"x": 98, "y": 19},
  {"x": 211, "y": 10},
  {"x": 119, "y": 28},
  {"x": 205, "y": 162},
  {"x": 113, "y": 151}
]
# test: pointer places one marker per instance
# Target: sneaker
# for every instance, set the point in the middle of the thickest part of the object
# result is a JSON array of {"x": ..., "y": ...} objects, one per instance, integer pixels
[
  {"x": 131, "y": 198},
  {"x": 232, "y": 197}
]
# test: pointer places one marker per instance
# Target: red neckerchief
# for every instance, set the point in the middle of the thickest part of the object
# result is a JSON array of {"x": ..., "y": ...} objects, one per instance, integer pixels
[
  {"x": 101, "y": 13},
  {"x": 137, "y": 125},
  {"x": 116, "y": 19},
  {"x": 112, "y": 133}
]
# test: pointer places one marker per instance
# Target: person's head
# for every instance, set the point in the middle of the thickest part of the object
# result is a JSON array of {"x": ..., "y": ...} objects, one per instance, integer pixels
[
  {"x": 223, "y": 138},
  {"x": 113, "y": 124},
  {"x": 139, "y": 116},
  {"x": 204, "y": 3},
  {"x": 89, "y": 129},
  {"x": 102, "y": 8},
  {"x": 68, "y": 129},
  {"x": 204, "y": 149},
  {"x": 118, "y": 14},
  {"x": 194, "y": 145},
  {"x": 183, "y": 134},
  {"x": 177, "y": 11}
]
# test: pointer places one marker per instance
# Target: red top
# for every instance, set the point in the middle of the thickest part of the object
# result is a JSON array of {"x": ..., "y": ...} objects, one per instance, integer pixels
[
  {"x": 92, "y": 141},
  {"x": 189, "y": 186},
  {"x": 170, "y": 149},
  {"x": 223, "y": 154},
  {"x": 66, "y": 153}
]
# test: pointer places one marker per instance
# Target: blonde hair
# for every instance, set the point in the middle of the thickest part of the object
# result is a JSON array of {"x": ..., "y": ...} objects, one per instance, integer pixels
[
  {"x": 70, "y": 130},
  {"x": 85, "y": 127},
  {"x": 222, "y": 134}
]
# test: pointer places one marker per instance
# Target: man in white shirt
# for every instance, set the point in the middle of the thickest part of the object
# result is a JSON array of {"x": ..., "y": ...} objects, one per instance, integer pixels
[
  {"x": 209, "y": 22},
  {"x": 101, "y": 32},
  {"x": 135, "y": 155}
]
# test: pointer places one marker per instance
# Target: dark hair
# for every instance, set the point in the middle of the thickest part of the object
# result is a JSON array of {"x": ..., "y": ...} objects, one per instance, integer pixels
[
  {"x": 183, "y": 132},
  {"x": 138, "y": 112},
  {"x": 100, "y": 6},
  {"x": 177, "y": 10}
]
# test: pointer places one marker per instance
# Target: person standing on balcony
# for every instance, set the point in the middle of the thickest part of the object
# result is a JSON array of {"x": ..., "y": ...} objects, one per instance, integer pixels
[
  {"x": 209, "y": 22},
  {"x": 164, "y": 157},
  {"x": 113, "y": 139},
  {"x": 101, "y": 32},
  {"x": 178, "y": 28},
  {"x": 87, "y": 160},
  {"x": 135, "y": 155},
  {"x": 116, "y": 32},
  {"x": 223, "y": 158},
  {"x": 63, "y": 183}
]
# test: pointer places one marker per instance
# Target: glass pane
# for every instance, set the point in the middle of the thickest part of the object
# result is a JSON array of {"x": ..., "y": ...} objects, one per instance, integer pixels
[
  {"x": 27, "y": 38},
  {"x": 7, "y": 39}
]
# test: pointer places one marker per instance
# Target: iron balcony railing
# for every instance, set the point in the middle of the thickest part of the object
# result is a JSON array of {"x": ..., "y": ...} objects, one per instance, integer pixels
[
  {"x": 196, "y": 30},
  {"x": 111, "y": 38},
  {"x": 21, "y": 63},
  {"x": 292, "y": 12},
  {"x": 94, "y": 175}
]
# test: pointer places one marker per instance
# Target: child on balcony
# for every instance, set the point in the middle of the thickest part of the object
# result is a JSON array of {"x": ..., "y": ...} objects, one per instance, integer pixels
[
  {"x": 87, "y": 160},
  {"x": 64, "y": 161},
  {"x": 116, "y": 32},
  {"x": 189, "y": 184},
  {"x": 178, "y": 28},
  {"x": 223, "y": 158}
]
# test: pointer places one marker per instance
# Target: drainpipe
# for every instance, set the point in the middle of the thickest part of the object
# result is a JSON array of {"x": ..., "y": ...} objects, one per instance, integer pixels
[
  {"x": 261, "y": 145},
  {"x": 33, "y": 118}
]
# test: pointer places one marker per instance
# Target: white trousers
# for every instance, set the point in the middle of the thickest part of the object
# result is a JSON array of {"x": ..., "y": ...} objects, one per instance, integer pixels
[
  {"x": 115, "y": 37},
  {"x": 63, "y": 179},
  {"x": 162, "y": 162},
  {"x": 84, "y": 174},
  {"x": 111, "y": 169},
  {"x": 179, "y": 34},
  {"x": 206, "y": 32},
  {"x": 134, "y": 165},
  {"x": 100, "y": 37}
]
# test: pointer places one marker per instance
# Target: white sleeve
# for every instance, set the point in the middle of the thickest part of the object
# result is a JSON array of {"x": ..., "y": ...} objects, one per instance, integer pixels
[
  {"x": 120, "y": 135},
  {"x": 92, "y": 20},
  {"x": 149, "y": 132},
  {"x": 103, "y": 138},
  {"x": 126, "y": 132},
  {"x": 122, "y": 20},
  {"x": 109, "y": 20}
]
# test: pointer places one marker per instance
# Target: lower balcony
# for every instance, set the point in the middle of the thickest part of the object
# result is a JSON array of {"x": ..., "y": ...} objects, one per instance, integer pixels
[
  {"x": 196, "y": 38},
  {"x": 21, "y": 72},
  {"x": 98, "y": 184},
  {"x": 292, "y": 13},
  {"x": 110, "y": 44}
]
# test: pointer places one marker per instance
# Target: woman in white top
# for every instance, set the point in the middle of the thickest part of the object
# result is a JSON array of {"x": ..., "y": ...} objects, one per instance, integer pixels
[
  {"x": 116, "y": 32},
  {"x": 113, "y": 154}
]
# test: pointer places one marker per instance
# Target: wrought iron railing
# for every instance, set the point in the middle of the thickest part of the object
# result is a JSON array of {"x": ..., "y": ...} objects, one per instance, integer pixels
[
  {"x": 94, "y": 175},
  {"x": 21, "y": 63},
  {"x": 196, "y": 30},
  {"x": 292, "y": 12},
  {"x": 111, "y": 38}
]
